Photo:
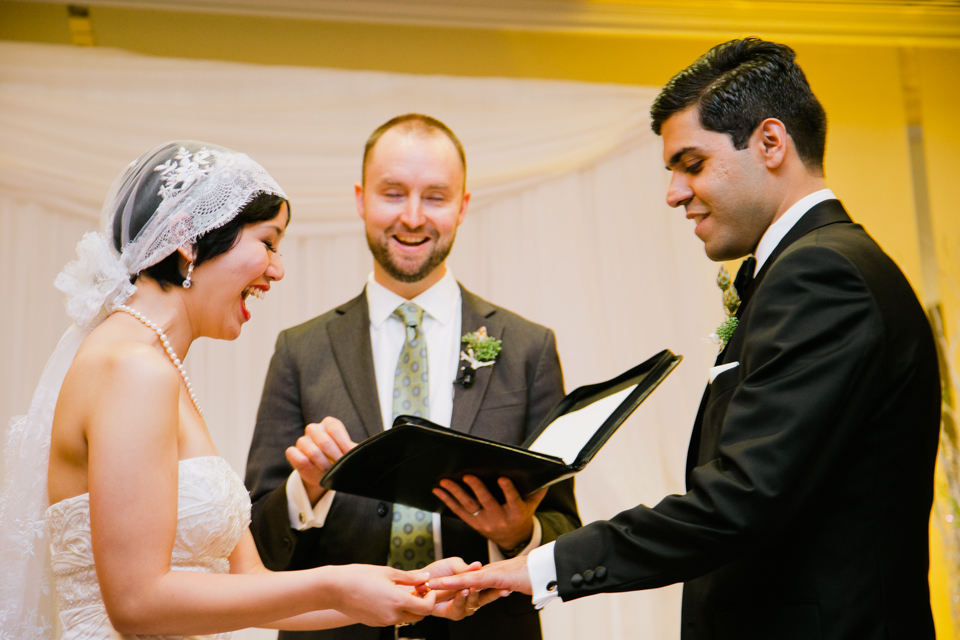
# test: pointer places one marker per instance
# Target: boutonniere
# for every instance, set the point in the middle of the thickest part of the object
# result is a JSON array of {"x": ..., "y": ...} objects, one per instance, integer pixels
[
  {"x": 481, "y": 351},
  {"x": 731, "y": 302}
]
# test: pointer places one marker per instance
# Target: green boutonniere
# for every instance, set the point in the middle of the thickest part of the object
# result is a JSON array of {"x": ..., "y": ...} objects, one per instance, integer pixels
[
  {"x": 481, "y": 351},
  {"x": 481, "y": 347},
  {"x": 731, "y": 302}
]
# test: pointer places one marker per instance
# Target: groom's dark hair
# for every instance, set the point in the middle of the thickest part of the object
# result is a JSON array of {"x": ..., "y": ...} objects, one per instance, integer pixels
[{"x": 737, "y": 85}]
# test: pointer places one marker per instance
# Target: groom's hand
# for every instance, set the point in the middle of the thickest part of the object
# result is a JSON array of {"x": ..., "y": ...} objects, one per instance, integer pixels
[
  {"x": 508, "y": 525},
  {"x": 450, "y": 567},
  {"x": 321, "y": 444},
  {"x": 459, "y": 603},
  {"x": 507, "y": 575}
]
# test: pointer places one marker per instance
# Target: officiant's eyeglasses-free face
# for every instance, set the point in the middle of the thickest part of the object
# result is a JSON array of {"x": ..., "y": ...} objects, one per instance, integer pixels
[
  {"x": 227, "y": 282},
  {"x": 412, "y": 201},
  {"x": 725, "y": 191}
]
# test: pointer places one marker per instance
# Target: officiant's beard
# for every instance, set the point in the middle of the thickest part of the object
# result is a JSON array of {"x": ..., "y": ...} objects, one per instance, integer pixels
[{"x": 409, "y": 272}]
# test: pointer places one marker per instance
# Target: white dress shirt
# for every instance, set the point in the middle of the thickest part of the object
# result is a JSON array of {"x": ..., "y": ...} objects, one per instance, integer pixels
[
  {"x": 775, "y": 232},
  {"x": 541, "y": 564},
  {"x": 442, "y": 307}
]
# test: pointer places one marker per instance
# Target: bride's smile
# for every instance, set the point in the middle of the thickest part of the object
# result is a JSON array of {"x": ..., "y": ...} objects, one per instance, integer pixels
[{"x": 223, "y": 285}]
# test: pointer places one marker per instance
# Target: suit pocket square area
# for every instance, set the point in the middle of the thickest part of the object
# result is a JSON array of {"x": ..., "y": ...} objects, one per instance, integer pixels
[{"x": 715, "y": 371}]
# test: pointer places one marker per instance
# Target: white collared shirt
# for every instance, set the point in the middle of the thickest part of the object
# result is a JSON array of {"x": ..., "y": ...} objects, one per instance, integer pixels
[
  {"x": 442, "y": 313},
  {"x": 541, "y": 565},
  {"x": 776, "y": 231},
  {"x": 442, "y": 306}
]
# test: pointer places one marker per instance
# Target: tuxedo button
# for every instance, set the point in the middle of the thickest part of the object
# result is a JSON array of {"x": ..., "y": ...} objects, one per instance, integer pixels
[
  {"x": 601, "y": 573},
  {"x": 287, "y": 543},
  {"x": 552, "y": 586},
  {"x": 576, "y": 580},
  {"x": 382, "y": 509},
  {"x": 588, "y": 576}
]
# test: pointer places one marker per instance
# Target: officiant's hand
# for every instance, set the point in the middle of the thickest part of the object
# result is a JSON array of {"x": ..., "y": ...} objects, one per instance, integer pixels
[
  {"x": 457, "y": 604},
  {"x": 507, "y": 575},
  {"x": 321, "y": 444},
  {"x": 508, "y": 525}
]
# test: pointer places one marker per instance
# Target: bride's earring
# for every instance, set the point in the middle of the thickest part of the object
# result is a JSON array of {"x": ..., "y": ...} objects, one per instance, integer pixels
[{"x": 187, "y": 283}]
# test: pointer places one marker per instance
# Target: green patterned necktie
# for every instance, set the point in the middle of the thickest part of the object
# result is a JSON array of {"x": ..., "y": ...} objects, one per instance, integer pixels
[{"x": 411, "y": 535}]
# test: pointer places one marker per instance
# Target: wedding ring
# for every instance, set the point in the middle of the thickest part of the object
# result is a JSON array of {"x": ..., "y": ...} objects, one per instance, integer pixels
[{"x": 476, "y": 513}]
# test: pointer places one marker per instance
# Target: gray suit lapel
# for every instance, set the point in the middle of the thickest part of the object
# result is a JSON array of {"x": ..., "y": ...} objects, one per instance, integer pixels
[
  {"x": 476, "y": 313},
  {"x": 350, "y": 341}
]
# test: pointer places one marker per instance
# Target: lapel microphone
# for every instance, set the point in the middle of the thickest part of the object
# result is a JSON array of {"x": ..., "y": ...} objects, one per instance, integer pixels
[{"x": 468, "y": 375}]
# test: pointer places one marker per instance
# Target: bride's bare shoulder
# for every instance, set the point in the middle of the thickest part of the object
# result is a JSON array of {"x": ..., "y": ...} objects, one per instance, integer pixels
[
  {"x": 117, "y": 378},
  {"x": 117, "y": 356}
]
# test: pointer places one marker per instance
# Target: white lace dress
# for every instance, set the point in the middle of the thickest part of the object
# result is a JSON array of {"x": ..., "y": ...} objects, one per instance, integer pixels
[{"x": 213, "y": 512}]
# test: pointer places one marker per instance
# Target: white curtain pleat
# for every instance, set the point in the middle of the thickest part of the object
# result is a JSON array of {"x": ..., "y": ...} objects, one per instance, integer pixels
[
  {"x": 567, "y": 227},
  {"x": 34, "y": 245}
]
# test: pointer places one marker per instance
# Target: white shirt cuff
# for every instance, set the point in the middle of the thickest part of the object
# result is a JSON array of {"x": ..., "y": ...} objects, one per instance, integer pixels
[
  {"x": 437, "y": 536},
  {"x": 302, "y": 515},
  {"x": 543, "y": 575},
  {"x": 494, "y": 550}
]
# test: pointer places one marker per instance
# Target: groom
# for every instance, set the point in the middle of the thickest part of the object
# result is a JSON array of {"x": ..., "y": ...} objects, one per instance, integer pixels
[
  {"x": 342, "y": 377},
  {"x": 810, "y": 469}
]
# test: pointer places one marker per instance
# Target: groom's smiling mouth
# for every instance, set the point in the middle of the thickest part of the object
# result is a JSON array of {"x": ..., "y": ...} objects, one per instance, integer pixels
[{"x": 698, "y": 217}]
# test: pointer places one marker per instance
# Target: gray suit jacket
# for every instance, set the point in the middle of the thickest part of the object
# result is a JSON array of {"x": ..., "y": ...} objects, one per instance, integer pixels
[{"x": 324, "y": 367}]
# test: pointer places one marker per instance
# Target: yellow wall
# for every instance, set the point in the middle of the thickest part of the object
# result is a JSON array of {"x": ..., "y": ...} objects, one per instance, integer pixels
[
  {"x": 867, "y": 157},
  {"x": 940, "y": 83},
  {"x": 940, "y": 86}
]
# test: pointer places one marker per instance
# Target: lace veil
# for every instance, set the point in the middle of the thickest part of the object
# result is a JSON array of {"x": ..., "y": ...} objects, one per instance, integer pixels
[{"x": 165, "y": 199}]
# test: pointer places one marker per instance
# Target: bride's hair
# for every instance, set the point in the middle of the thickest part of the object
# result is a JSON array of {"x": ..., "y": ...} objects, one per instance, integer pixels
[
  {"x": 186, "y": 179},
  {"x": 167, "y": 272}
]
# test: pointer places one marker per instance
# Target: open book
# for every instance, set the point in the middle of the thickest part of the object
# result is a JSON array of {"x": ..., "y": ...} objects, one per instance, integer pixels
[{"x": 406, "y": 462}]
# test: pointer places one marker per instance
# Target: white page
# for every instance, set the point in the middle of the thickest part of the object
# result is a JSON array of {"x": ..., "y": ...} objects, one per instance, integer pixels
[{"x": 566, "y": 436}]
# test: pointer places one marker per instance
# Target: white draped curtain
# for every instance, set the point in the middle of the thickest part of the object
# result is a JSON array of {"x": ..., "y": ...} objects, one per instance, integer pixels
[{"x": 567, "y": 227}]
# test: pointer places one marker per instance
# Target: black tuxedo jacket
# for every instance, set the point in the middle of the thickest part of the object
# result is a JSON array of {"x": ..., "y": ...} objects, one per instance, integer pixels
[
  {"x": 810, "y": 470},
  {"x": 324, "y": 367}
]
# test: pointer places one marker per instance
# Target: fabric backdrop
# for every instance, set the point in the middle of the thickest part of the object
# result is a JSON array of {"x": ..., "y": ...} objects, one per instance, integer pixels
[{"x": 567, "y": 227}]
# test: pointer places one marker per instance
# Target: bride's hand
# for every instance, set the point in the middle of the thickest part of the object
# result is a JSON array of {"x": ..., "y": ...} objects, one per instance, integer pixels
[
  {"x": 458, "y": 604},
  {"x": 370, "y": 594}
]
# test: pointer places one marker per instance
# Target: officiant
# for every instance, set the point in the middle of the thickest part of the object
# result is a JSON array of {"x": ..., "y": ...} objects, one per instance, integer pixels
[{"x": 396, "y": 349}]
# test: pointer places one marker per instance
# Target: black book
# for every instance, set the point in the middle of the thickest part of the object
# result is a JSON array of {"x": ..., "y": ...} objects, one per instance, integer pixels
[{"x": 406, "y": 462}]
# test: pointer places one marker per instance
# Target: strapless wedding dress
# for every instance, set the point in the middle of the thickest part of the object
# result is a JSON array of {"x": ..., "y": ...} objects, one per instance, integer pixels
[{"x": 213, "y": 512}]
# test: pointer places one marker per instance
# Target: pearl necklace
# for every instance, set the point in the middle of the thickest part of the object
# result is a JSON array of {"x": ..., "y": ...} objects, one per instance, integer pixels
[{"x": 166, "y": 346}]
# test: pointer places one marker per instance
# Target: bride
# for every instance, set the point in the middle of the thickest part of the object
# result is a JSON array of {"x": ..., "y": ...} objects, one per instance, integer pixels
[{"x": 113, "y": 467}]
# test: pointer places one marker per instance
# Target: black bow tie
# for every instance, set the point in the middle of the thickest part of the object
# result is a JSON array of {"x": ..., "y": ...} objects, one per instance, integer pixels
[{"x": 744, "y": 280}]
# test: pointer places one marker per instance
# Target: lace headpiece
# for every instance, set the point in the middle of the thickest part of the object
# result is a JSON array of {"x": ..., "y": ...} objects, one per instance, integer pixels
[{"x": 163, "y": 200}]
